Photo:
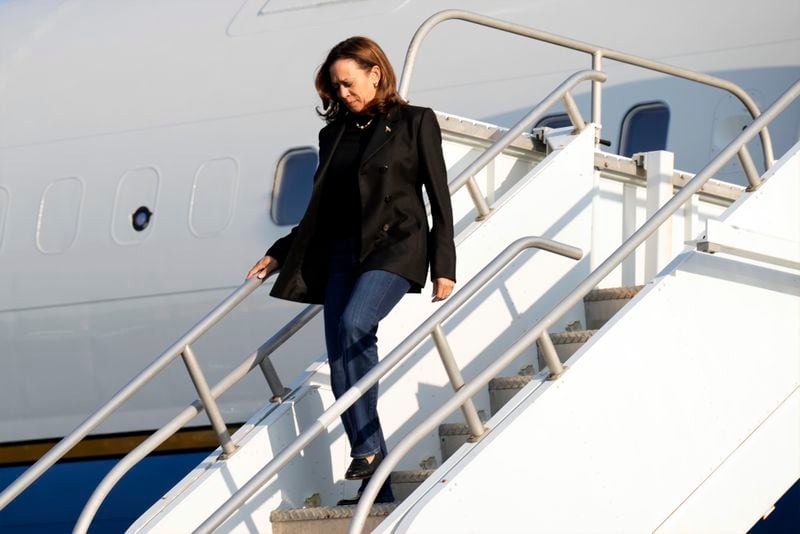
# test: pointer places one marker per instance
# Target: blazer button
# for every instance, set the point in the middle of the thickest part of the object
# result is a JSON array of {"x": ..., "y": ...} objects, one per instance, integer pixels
[
  {"x": 387, "y": 198},
  {"x": 384, "y": 169},
  {"x": 385, "y": 227}
]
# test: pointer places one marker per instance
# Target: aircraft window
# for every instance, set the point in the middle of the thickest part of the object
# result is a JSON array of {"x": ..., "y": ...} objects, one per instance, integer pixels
[
  {"x": 59, "y": 213},
  {"x": 644, "y": 129},
  {"x": 293, "y": 181},
  {"x": 558, "y": 120},
  {"x": 213, "y": 197},
  {"x": 280, "y": 6}
]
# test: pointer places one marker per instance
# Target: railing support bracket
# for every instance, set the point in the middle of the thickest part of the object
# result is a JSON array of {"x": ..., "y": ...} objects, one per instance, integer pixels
[
  {"x": 475, "y": 439},
  {"x": 555, "y": 376},
  {"x": 278, "y": 399},
  {"x": 485, "y": 215}
]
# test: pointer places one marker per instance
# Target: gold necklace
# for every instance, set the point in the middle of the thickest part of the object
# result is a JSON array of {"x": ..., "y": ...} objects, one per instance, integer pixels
[{"x": 365, "y": 125}]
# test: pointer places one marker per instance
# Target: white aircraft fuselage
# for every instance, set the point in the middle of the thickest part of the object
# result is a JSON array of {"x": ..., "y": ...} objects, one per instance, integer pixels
[{"x": 185, "y": 108}]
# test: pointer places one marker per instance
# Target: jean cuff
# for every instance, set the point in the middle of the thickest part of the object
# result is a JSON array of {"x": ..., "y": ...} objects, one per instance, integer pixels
[{"x": 355, "y": 454}]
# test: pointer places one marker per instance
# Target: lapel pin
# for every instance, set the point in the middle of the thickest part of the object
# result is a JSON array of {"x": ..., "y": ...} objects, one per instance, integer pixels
[{"x": 388, "y": 130}]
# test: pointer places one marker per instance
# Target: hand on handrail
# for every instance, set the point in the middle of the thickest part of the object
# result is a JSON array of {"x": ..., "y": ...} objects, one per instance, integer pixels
[{"x": 263, "y": 268}]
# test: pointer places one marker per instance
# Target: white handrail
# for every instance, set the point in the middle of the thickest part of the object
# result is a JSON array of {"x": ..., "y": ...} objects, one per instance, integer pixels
[
  {"x": 394, "y": 358},
  {"x": 465, "y": 177},
  {"x": 597, "y": 53},
  {"x": 590, "y": 282},
  {"x": 258, "y": 358},
  {"x": 139, "y": 381},
  {"x": 562, "y": 92}
]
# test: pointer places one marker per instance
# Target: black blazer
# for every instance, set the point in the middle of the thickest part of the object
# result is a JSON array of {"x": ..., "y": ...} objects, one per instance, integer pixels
[{"x": 404, "y": 153}]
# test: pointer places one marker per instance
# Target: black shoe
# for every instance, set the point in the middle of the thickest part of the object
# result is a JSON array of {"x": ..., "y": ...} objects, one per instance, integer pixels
[
  {"x": 360, "y": 468},
  {"x": 381, "y": 499},
  {"x": 349, "y": 502}
]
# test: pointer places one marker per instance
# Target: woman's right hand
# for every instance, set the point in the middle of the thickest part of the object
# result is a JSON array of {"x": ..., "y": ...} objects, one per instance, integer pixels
[{"x": 265, "y": 265}]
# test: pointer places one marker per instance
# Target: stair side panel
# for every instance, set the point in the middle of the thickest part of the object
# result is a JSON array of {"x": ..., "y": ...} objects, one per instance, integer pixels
[{"x": 650, "y": 408}]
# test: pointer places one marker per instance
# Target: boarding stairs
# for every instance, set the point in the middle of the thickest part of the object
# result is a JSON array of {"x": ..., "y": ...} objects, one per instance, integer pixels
[
  {"x": 296, "y": 499},
  {"x": 600, "y": 305},
  {"x": 550, "y": 226}
]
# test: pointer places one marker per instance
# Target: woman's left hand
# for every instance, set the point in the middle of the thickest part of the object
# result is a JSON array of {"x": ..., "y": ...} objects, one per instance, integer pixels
[{"x": 442, "y": 287}]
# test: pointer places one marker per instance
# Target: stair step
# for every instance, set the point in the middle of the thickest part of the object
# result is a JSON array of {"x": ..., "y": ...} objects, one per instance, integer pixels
[
  {"x": 602, "y": 304},
  {"x": 566, "y": 344},
  {"x": 335, "y": 519},
  {"x": 325, "y": 519},
  {"x": 451, "y": 437},
  {"x": 502, "y": 388},
  {"x": 405, "y": 482}
]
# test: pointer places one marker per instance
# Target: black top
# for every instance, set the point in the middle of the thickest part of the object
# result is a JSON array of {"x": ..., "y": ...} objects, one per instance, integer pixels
[{"x": 341, "y": 199}]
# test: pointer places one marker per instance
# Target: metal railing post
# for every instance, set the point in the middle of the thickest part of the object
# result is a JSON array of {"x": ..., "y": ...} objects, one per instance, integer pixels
[
  {"x": 574, "y": 113},
  {"x": 749, "y": 169},
  {"x": 597, "y": 91},
  {"x": 476, "y": 427},
  {"x": 659, "y": 166},
  {"x": 279, "y": 392},
  {"x": 477, "y": 199},
  {"x": 210, "y": 405},
  {"x": 550, "y": 356}
]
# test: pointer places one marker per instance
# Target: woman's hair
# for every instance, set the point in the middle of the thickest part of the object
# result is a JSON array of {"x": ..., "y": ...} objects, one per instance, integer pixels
[{"x": 367, "y": 54}]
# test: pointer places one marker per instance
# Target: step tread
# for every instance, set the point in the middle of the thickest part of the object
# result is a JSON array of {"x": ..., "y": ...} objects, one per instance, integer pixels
[
  {"x": 612, "y": 293},
  {"x": 578, "y": 336},
  {"x": 327, "y": 512},
  {"x": 411, "y": 476},
  {"x": 454, "y": 429},
  {"x": 509, "y": 382}
]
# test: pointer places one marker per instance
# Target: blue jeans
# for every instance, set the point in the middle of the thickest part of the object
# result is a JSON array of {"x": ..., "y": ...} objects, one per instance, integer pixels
[{"x": 354, "y": 304}]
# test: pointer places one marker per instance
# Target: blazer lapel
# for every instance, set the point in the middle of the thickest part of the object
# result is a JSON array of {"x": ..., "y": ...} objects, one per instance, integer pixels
[
  {"x": 384, "y": 130},
  {"x": 328, "y": 144}
]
